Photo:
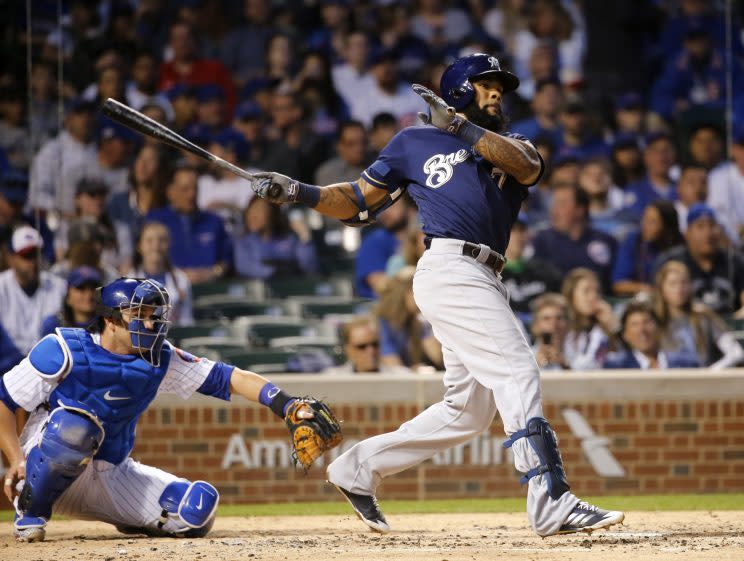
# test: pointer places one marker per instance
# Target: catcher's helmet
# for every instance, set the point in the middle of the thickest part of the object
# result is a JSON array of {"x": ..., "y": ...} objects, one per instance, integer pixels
[
  {"x": 456, "y": 87},
  {"x": 138, "y": 294}
]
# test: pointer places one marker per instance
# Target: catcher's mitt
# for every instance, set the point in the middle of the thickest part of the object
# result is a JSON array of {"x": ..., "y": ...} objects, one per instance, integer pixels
[{"x": 312, "y": 437}]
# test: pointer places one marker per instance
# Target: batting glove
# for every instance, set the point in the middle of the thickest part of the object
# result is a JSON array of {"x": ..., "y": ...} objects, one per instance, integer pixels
[
  {"x": 275, "y": 187},
  {"x": 440, "y": 114}
]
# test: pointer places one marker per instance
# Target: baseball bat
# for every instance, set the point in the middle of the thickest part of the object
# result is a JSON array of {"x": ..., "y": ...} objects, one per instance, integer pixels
[{"x": 144, "y": 125}]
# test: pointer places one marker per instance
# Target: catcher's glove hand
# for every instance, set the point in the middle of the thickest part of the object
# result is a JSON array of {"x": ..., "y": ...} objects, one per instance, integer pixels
[{"x": 311, "y": 437}]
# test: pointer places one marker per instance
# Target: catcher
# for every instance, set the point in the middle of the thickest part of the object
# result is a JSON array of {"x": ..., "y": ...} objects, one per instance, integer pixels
[{"x": 86, "y": 389}]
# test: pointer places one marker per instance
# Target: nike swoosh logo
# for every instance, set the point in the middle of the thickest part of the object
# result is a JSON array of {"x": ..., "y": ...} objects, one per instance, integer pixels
[
  {"x": 201, "y": 500},
  {"x": 108, "y": 397},
  {"x": 272, "y": 393}
]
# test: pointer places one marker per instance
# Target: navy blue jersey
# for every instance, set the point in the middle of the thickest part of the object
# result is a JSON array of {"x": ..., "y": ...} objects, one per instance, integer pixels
[{"x": 459, "y": 194}]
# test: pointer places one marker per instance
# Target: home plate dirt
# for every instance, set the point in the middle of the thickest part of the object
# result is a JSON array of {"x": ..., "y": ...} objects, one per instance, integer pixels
[{"x": 433, "y": 537}]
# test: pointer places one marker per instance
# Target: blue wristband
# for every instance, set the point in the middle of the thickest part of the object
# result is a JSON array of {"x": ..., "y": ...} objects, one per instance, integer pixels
[
  {"x": 304, "y": 194},
  {"x": 275, "y": 399},
  {"x": 467, "y": 131}
]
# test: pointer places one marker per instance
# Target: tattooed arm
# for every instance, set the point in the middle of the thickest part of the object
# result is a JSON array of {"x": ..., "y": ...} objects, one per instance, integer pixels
[{"x": 515, "y": 157}]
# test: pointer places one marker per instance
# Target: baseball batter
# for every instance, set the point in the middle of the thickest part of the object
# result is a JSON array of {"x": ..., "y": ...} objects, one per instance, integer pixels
[
  {"x": 85, "y": 392},
  {"x": 468, "y": 180}
]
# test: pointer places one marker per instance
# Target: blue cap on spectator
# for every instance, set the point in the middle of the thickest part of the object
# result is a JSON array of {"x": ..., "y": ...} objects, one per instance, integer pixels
[
  {"x": 381, "y": 55},
  {"x": 698, "y": 211},
  {"x": 179, "y": 90},
  {"x": 628, "y": 101},
  {"x": 14, "y": 186},
  {"x": 84, "y": 275},
  {"x": 80, "y": 104},
  {"x": 210, "y": 92},
  {"x": 256, "y": 85},
  {"x": 197, "y": 133},
  {"x": 625, "y": 140},
  {"x": 248, "y": 110},
  {"x": 564, "y": 159},
  {"x": 656, "y": 136},
  {"x": 110, "y": 130},
  {"x": 231, "y": 139}
]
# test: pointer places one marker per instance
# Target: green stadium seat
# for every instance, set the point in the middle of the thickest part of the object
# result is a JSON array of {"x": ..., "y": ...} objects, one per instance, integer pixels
[
  {"x": 310, "y": 286},
  {"x": 244, "y": 288},
  {"x": 261, "y": 361},
  {"x": 329, "y": 345},
  {"x": 231, "y": 307},
  {"x": 202, "y": 329},
  {"x": 219, "y": 345},
  {"x": 319, "y": 306}
]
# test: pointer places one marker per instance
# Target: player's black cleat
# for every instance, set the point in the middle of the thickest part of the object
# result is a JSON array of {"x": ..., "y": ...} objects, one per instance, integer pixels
[
  {"x": 367, "y": 509},
  {"x": 587, "y": 518}
]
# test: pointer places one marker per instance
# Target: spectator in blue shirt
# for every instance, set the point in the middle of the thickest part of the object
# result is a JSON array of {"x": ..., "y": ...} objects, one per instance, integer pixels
[
  {"x": 377, "y": 247},
  {"x": 200, "y": 245},
  {"x": 658, "y": 157},
  {"x": 9, "y": 353},
  {"x": 268, "y": 247},
  {"x": 575, "y": 136},
  {"x": 79, "y": 304},
  {"x": 545, "y": 106},
  {"x": 627, "y": 164},
  {"x": 570, "y": 242},
  {"x": 642, "y": 337},
  {"x": 634, "y": 267},
  {"x": 629, "y": 114}
]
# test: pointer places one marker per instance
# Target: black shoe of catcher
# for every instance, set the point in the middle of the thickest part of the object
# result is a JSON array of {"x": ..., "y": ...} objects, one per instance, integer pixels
[{"x": 367, "y": 509}]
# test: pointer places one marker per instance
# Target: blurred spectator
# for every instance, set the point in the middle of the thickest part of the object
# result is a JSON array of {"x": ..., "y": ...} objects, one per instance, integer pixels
[
  {"x": 696, "y": 77},
  {"x": 87, "y": 245},
  {"x": 641, "y": 336},
  {"x": 634, "y": 267},
  {"x": 545, "y": 108},
  {"x": 504, "y": 20},
  {"x": 325, "y": 108},
  {"x": 334, "y": 25},
  {"x": 658, "y": 157},
  {"x": 692, "y": 14},
  {"x": 406, "y": 338},
  {"x": 116, "y": 145},
  {"x": 199, "y": 243},
  {"x": 350, "y": 159},
  {"x": 9, "y": 353},
  {"x": 576, "y": 136},
  {"x": 562, "y": 24},
  {"x": 570, "y": 241},
  {"x": 210, "y": 108},
  {"x": 526, "y": 277},
  {"x": 79, "y": 304},
  {"x": 627, "y": 164},
  {"x": 14, "y": 138},
  {"x": 410, "y": 250},
  {"x": 438, "y": 24},
  {"x": 726, "y": 191},
  {"x": 280, "y": 60},
  {"x": 543, "y": 66},
  {"x": 183, "y": 101},
  {"x": 549, "y": 327},
  {"x": 717, "y": 274},
  {"x": 692, "y": 189},
  {"x": 185, "y": 66},
  {"x": 292, "y": 148},
  {"x": 43, "y": 120},
  {"x": 387, "y": 93},
  {"x": 705, "y": 145},
  {"x": 351, "y": 78},
  {"x": 384, "y": 128},
  {"x": 605, "y": 199},
  {"x": 248, "y": 122},
  {"x": 378, "y": 245},
  {"x": 142, "y": 89},
  {"x": 109, "y": 83},
  {"x": 688, "y": 326},
  {"x": 151, "y": 261},
  {"x": 224, "y": 193},
  {"x": 13, "y": 195},
  {"x": 593, "y": 325},
  {"x": 27, "y": 294},
  {"x": 268, "y": 247},
  {"x": 361, "y": 340},
  {"x": 629, "y": 114},
  {"x": 148, "y": 176},
  {"x": 243, "y": 49},
  {"x": 54, "y": 176}
]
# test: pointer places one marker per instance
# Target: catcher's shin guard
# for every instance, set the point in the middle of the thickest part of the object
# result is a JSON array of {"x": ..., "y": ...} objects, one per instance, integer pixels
[
  {"x": 71, "y": 438},
  {"x": 192, "y": 505},
  {"x": 544, "y": 442}
]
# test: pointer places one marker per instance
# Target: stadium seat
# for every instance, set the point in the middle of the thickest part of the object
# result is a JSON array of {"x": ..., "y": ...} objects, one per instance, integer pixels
[
  {"x": 211, "y": 345},
  {"x": 329, "y": 345},
  {"x": 320, "y": 306},
  {"x": 261, "y": 361},
  {"x": 202, "y": 329},
  {"x": 257, "y": 330},
  {"x": 245, "y": 288},
  {"x": 231, "y": 307},
  {"x": 310, "y": 286}
]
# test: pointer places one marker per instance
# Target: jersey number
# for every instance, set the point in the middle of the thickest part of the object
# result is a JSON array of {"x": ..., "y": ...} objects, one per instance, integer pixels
[{"x": 499, "y": 177}]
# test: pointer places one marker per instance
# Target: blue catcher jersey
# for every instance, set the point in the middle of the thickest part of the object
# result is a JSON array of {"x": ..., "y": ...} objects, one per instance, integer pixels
[
  {"x": 459, "y": 194},
  {"x": 118, "y": 388}
]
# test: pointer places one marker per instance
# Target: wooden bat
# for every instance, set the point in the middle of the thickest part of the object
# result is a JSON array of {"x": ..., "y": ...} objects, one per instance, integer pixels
[{"x": 144, "y": 125}]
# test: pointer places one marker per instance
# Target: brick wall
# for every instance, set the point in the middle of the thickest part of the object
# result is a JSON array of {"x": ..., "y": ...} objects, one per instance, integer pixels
[{"x": 663, "y": 445}]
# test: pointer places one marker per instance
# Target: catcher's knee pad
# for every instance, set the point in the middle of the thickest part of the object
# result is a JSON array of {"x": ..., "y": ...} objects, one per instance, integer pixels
[
  {"x": 544, "y": 442},
  {"x": 192, "y": 505},
  {"x": 70, "y": 439}
]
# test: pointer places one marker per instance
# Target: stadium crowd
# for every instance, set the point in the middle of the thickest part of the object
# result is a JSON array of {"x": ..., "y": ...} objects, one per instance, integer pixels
[{"x": 627, "y": 254}]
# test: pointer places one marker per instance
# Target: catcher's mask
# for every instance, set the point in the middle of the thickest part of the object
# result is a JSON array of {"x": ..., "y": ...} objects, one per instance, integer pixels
[{"x": 148, "y": 303}]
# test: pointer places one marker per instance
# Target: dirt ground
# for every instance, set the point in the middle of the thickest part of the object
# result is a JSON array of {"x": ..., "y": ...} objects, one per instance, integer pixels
[{"x": 434, "y": 537}]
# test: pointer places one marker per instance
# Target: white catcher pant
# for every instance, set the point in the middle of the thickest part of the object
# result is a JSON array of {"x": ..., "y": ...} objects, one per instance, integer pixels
[
  {"x": 489, "y": 365},
  {"x": 124, "y": 495}
]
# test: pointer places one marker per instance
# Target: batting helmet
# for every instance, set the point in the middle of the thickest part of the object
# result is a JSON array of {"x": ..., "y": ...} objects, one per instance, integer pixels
[
  {"x": 456, "y": 86},
  {"x": 138, "y": 295}
]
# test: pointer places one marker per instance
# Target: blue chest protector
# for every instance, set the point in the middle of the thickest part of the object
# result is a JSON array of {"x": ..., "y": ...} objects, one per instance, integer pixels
[{"x": 118, "y": 388}]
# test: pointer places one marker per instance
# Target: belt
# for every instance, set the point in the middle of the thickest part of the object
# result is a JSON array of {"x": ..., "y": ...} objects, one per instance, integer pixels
[{"x": 492, "y": 259}]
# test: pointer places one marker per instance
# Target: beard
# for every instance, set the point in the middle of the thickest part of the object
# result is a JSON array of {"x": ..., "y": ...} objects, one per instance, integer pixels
[{"x": 481, "y": 117}]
